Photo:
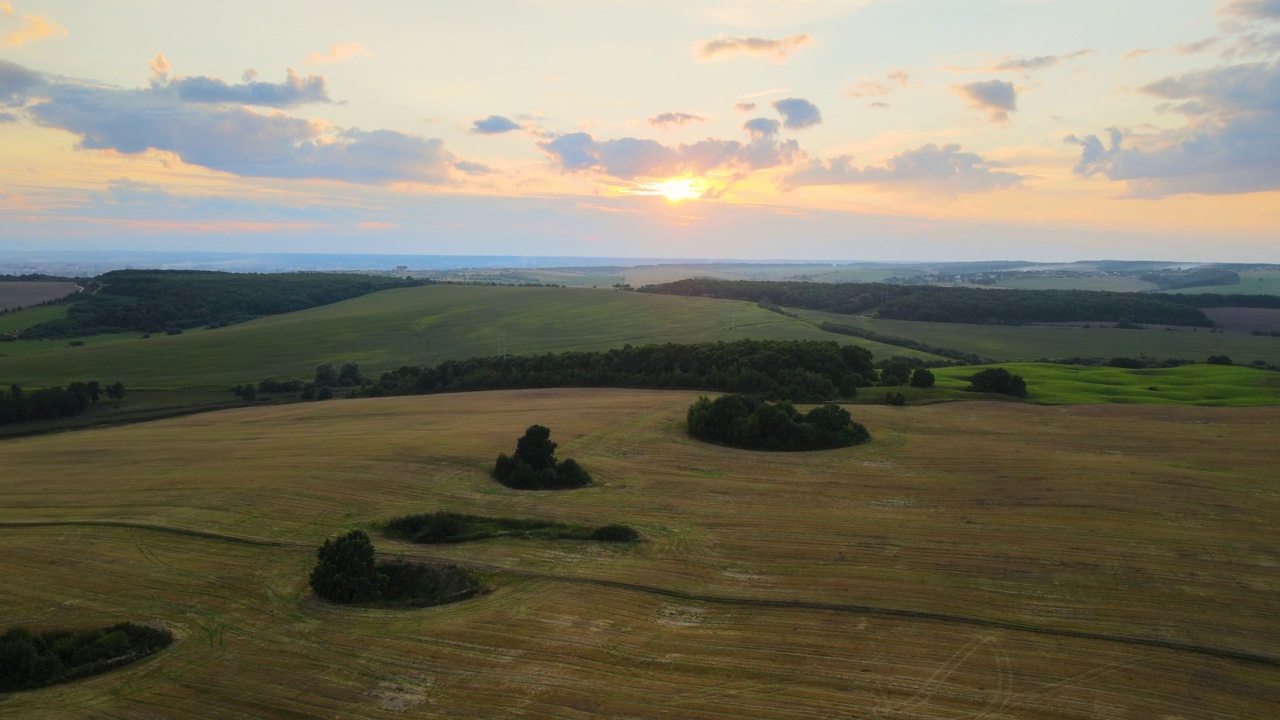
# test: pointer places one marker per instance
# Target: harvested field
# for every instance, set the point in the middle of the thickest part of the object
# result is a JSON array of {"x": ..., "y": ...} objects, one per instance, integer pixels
[
  {"x": 975, "y": 560},
  {"x": 26, "y": 294},
  {"x": 1245, "y": 319}
]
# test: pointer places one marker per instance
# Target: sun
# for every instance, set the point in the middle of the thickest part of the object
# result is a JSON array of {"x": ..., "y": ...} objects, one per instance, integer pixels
[{"x": 677, "y": 189}]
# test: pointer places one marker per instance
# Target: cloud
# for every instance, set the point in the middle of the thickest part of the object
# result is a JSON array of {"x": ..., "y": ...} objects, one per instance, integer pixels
[
  {"x": 797, "y": 113},
  {"x": 867, "y": 88},
  {"x": 944, "y": 170},
  {"x": 1135, "y": 53},
  {"x": 666, "y": 119},
  {"x": 1253, "y": 9},
  {"x": 1196, "y": 47},
  {"x": 294, "y": 91},
  {"x": 339, "y": 52},
  {"x": 997, "y": 97},
  {"x": 745, "y": 107},
  {"x": 375, "y": 225},
  {"x": 901, "y": 77},
  {"x": 762, "y": 127},
  {"x": 1228, "y": 146},
  {"x": 628, "y": 158},
  {"x": 34, "y": 28},
  {"x": 473, "y": 168},
  {"x": 212, "y": 128},
  {"x": 778, "y": 50},
  {"x": 1027, "y": 66},
  {"x": 16, "y": 82},
  {"x": 160, "y": 67},
  {"x": 125, "y": 191},
  {"x": 494, "y": 125}
]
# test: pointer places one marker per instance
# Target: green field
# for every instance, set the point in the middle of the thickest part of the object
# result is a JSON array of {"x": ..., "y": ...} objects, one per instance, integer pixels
[
  {"x": 1026, "y": 343},
  {"x": 1252, "y": 282},
  {"x": 412, "y": 326},
  {"x": 23, "y": 319},
  {"x": 975, "y": 560},
  {"x": 1215, "y": 385}
]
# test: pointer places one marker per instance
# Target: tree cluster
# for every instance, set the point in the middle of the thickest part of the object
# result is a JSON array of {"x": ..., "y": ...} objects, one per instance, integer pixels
[
  {"x": 154, "y": 301},
  {"x": 448, "y": 527},
  {"x": 999, "y": 381},
  {"x": 801, "y": 371},
  {"x": 534, "y": 465},
  {"x": 347, "y": 571},
  {"x": 751, "y": 423},
  {"x": 31, "y": 659},
  {"x": 18, "y": 405},
  {"x": 968, "y": 305}
]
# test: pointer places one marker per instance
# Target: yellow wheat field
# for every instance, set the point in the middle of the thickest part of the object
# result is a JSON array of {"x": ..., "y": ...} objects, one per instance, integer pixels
[{"x": 975, "y": 560}]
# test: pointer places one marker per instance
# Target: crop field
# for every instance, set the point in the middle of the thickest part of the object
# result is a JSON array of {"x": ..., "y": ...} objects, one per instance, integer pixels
[
  {"x": 975, "y": 560},
  {"x": 413, "y": 326},
  {"x": 1209, "y": 385},
  {"x": 22, "y": 319},
  {"x": 23, "y": 294},
  {"x": 1008, "y": 343},
  {"x": 1246, "y": 319}
]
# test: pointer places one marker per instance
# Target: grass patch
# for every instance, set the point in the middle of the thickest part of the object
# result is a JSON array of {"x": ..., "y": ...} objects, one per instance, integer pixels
[
  {"x": 448, "y": 527},
  {"x": 23, "y": 319},
  {"x": 1209, "y": 385}
]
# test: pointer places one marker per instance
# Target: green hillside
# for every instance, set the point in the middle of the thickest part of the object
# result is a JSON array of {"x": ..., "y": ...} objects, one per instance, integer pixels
[{"x": 411, "y": 326}]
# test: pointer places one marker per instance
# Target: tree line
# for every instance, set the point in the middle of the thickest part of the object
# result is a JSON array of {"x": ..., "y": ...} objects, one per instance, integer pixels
[
  {"x": 797, "y": 370},
  {"x": 969, "y": 305},
  {"x": 18, "y": 405},
  {"x": 163, "y": 300}
]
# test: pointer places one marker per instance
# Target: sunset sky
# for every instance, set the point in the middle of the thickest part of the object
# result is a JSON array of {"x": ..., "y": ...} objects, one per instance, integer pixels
[{"x": 787, "y": 129}]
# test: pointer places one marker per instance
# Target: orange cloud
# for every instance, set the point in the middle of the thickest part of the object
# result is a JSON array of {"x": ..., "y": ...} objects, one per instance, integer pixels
[
  {"x": 338, "y": 53},
  {"x": 779, "y": 50},
  {"x": 373, "y": 225},
  {"x": 36, "y": 28}
]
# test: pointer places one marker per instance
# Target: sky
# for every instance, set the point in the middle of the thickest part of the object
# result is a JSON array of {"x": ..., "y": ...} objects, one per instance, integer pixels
[{"x": 874, "y": 130}]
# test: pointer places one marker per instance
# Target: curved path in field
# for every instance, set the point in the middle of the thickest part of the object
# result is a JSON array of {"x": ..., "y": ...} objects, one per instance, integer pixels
[{"x": 1139, "y": 641}]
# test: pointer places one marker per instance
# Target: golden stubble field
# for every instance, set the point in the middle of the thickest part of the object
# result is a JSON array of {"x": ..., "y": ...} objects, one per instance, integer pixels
[{"x": 1047, "y": 553}]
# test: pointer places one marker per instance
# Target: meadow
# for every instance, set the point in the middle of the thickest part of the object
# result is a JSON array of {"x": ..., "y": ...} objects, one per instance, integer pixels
[
  {"x": 412, "y": 326},
  {"x": 978, "y": 560},
  {"x": 1252, "y": 282}
]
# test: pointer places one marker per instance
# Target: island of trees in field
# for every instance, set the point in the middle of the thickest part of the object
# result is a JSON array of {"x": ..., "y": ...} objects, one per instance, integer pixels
[
  {"x": 534, "y": 465},
  {"x": 30, "y": 659},
  {"x": 18, "y": 405},
  {"x": 970, "y": 305},
  {"x": 347, "y": 571},
  {"x": 750, "y": 423}
]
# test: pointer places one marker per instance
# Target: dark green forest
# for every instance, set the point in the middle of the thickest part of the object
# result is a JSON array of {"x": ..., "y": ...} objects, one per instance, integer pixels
[
  {"x": 750, "y": 423},
  {"x": 801, "y": 371},
  {"x": 154, "y": 301},
  {"x": 31, "y": 659},
  {"x": 970, "y": 305}
]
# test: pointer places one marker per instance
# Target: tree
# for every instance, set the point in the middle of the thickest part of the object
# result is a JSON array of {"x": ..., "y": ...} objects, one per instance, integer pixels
[
  {"x": 998, "y": 380},
  {"x": 346, "y": 571},
  {"x": 350, "y": 374},
  {"x": 326, "y": 375},
  {"x": 895, "y": 372},
  {"x": 115, "y": 391},
  {"x": 922, "y": 378},
  {"x": 94, "y": 388},
  {"x": 1219, "y": 360},
  {"x": 535, "y": 449}
]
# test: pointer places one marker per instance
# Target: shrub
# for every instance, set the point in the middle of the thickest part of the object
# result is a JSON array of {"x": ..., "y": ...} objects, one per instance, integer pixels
[
  {"x": 1219, "y": 360},
  {"x": 30, "y": 660},
  {"x": 922, "y": 378},
  {"x": 615, "y": 533}
]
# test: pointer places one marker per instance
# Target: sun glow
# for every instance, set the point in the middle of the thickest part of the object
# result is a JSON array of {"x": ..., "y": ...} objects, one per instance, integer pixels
[{"x": 676, "y": 189}]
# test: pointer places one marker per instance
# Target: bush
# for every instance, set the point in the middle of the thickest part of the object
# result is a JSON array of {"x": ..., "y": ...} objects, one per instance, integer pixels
[
  {"x": 1219, "y": 360},
  {"x": 423, "y": 585},
  {"x": 447, "y": 527},
  {"x": 30, "y": 660},
  {"x": 922, "y": 378},
  {"x": 615, "y": 533}
]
